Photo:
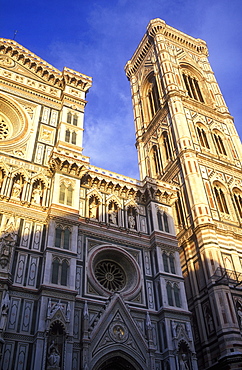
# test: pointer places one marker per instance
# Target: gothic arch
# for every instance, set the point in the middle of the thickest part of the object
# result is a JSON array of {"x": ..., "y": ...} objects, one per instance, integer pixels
[
  {"x": 118, "y": 360},
  {"x": 193, "y": 82},
  {"x": 150, "y": 96}
]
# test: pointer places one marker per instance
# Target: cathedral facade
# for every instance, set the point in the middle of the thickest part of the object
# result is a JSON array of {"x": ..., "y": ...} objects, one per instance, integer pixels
[
  {"x": 185, "y": 136},
  {"x": 90, "y": 274}
]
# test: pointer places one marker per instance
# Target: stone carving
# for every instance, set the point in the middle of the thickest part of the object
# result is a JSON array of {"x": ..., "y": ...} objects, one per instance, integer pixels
[
  {"x": 6, "y": 243},
  {"x": 53, "y": 358},
  {"x": 184, "y": 362},
  {"x": 118, "y": 331},
  {"x": 4, "y": 311},
  {"x": 37, "y": 194},
  {"x": 17, "y": 189}
]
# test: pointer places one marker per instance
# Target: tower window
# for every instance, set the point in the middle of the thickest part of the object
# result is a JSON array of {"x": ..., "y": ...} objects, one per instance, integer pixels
[
  {"x": 60, "y": 271},
  {"x": 156, "y": 160},
  {"x": 219, "y": 144},
  {"x": 192, "y": 87},
  {"x": 173, "y": 294},
  {"x": 220, "y": 199},
  {"x": 168, "y": 263},
  {"x": 202, "y": 137},
  {"x": 62, "y": 238},
  {"x": 167, "y": 146},
  {"x": 72, "y": 118},
  {"x": 163, "y": 221},
  {"x": 238, "y": 201},
  {"x": 152, "y": 96},
  {"x": 66, "y": 194}
]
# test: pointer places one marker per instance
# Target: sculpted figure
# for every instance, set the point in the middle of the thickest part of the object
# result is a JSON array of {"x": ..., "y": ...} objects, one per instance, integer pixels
[
  {"x": 37, "y": 195},
  {"x": 16, "y": 189},
  {"x": 53, "y": 356}
]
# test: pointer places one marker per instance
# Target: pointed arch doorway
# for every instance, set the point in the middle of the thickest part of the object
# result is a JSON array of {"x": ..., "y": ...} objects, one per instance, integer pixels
[{"x": 116, "y": 363}]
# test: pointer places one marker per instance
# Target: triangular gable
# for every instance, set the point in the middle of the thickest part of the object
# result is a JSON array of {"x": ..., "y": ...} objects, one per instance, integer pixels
[{"x": 116, "y": 330}]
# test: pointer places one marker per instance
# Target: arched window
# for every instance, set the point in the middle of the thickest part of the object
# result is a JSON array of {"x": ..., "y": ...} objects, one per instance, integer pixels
[
  {"x": 237, "y": 194},
  {"x": 64, "y": 273},
  {"x": 55, "y": 271},
  {"x": 169, "y": 294},
  {"x": 163, "y": 222},
  {"x": 202, "y": 137},
  {"x": 167, "y": 145},
  {"x": 177, "y": 295},
  {"x": 73, "y": 138},
  {"x": 173, "y": 295},
  {"x": 192, "y": 87},
  {"x": 156, "y": 160},
  {"x": 168, "y": 263},
  {"x": 62, "y": 238},
  {"x": 60, "y": 270},
  {"x": 67, "y": 136},
  {"x": 172, "y": 263},
  {"x": 66, "y": 194},
  {"x": 72, "y": 118},
  {"x": 220, "y": 199},
  {"x": 219, "y": 143},
  {"x": 152, "y": 96},
  {"x": 165, "y": 262}
]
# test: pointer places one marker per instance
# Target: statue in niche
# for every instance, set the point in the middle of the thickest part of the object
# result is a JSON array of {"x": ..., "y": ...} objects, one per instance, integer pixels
[
  {"x": 53, "y": 358},
  {"x": 239, "y": 312},
  {"x": 4, "y": 311},
  {"x": 37, "y": 194},
  {"x": 112, "y": 212},
  {"x": 93, "y": 208},
  {"x": 184, "y": 362},
  {"x": 17, "y": 189},
  {"x": 131, "y": 218}
]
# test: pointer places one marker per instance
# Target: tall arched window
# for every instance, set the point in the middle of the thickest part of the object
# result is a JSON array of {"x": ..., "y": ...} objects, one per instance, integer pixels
[
  {"x": 67, "y": 136},
  {"x": 156, "y": 160},
  {"x": 152, "y": 96},
  {"x": 202, "y": 137},
  {"x": 73, "y": 138},
  {"x": 62, "y": 238},
  {"x": 237, "y": 194},
  {"x": 219, "y": 143},
  {"x": 167, "y": 145},
  {"x": 163, "y": 221},
  {"x": 72, "y": 118},
  {"x": 220, "y": 199},
  {"x": 177, "y": 296},
  {"x": 66, "y": 194},
  {"x": 60, "y": 270},
  {"x": 192, "y": 86},
  {"x": 169, "y": 294}
]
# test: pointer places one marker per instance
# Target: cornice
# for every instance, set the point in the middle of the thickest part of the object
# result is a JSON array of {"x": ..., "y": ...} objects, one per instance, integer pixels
[
  {"x": 49, "y": 74},
  {"x": 159, "y": 27}
]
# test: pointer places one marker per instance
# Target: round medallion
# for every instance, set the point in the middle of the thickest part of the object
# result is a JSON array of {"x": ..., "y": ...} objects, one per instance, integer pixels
[{"x": 118, "y": 331}]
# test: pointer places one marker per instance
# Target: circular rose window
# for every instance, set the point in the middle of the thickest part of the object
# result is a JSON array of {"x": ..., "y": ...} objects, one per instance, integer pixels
[
  {"x": 110, "y": 275},
  {"x": 112, "y": 269}
]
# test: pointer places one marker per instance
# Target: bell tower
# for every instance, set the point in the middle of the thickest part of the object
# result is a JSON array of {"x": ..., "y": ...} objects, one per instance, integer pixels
[{"x": 185, "y": 135}]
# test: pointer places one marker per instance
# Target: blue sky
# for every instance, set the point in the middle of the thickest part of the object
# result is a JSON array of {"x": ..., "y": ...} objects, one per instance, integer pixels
[{"x": 97, "y": 38}]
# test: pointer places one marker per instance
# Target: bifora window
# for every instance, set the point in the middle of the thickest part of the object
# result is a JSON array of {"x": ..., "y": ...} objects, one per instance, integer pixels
[
  {"x": 192, "y": 87},
  {"x": 110, "y": 275},
  {"x": 72, "y": 118},
  {"x": 219, "y": 143},
  {"x": 238, "y": 201},
  {"x": 220, "y": 199},
  {"x": 202, "y": 137}
]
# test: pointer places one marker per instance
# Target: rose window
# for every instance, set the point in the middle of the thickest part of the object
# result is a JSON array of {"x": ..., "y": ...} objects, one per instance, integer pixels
[{"x": 110, "y": 275}]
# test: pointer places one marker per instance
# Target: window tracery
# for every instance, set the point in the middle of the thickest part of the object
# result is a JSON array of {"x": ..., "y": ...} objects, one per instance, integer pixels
[
  {"x": 62, "y": 237},
  {"x": 163, "y": 221},
  {"x": 192, "y": 86},
  {"x": 202, "y": 136},
  {"x": 151, "y": 96},
  {"x": 60, "y": 270},
  {"x": 66, "y": 193},
  {"x": 72, "y": 118},
  {"x": 237, "y": 195},
  {"x": 219, "y": 144},
  {"x": 168, "y": 262},
  {"x": 220, "y": 198},
  {"x": 173, "y": 294},
  {"x": 157, "y": 164}
]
